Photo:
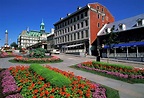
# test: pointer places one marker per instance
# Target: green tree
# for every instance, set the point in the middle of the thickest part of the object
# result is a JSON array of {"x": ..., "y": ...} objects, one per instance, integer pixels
[
  {"x": 13, "y": 44},
  {"x": 111, "y": 40},
  {"x": 37, "y": 53}
]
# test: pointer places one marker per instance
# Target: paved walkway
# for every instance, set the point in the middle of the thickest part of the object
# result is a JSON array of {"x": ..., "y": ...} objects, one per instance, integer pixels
[{"x": 126, "y": 90}]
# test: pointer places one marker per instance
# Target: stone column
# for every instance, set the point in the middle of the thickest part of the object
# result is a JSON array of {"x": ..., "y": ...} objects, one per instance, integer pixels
[{"x": 6, "y": 38}]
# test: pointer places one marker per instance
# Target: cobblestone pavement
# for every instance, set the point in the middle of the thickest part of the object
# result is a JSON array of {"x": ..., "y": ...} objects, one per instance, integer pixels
[{"x": 126, "y": 90}]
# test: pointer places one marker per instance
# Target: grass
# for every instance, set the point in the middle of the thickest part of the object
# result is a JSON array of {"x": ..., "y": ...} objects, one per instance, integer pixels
[
  {"x": 111, "y": 93},
  {"x": 132, "y": 81}
]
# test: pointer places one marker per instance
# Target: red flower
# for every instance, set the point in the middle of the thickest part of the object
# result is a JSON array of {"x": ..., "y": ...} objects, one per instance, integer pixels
[
  {"x": 46, "y": 92},
  {"x": 51, "y": 97},
  {"x": 87, "y": 95},
  {"x": 67, "y": 95},
  {"x": 35, "y": 91},
  {"x": 34, "y": 97},
  {"x": 42, "y": 94}
]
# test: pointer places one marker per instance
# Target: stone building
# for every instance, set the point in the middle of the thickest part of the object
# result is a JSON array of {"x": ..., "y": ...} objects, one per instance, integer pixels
[
  {"x": 28, "y": 38},
  {"x": 77, "y": 32}
]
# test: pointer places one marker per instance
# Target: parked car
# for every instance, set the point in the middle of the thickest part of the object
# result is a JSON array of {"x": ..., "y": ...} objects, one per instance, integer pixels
[{"x": 56, "y": 51}]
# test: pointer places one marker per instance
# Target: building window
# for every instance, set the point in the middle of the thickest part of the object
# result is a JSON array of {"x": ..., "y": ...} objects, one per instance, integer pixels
[
  {"x": 81, "y": 24},
  {"x": 71, "y": 37},
  {"x": 74, "y": 19},
  {"x": 102, "y": 17},
  {"x": 98, "y": 25},
  {"x": 78, "y": 26},
  {"x": 65, "y": 30},
  {"x": 102, "y": 10},
  {"x": 86, "y": 22},
  {"x": 74, "y": 36},
  {"x": 78, "y": 17},
  {"x": 108, "y": 30},
  {"x": 140, "y": 22},
  {"x": 71, "y": 28},
  {"x": 82, "y": 16},
  {"x": 68, "y": 29},
  {"x": 98, "y": 16},
  {"x": 68, "y": 22},
  {"x": 74, "y": 27},
  {"x": 71, "y": 20},
  {"x": 86, "y": 32},
  {"x": 86, "y": 14},
  {"x": 65, "y": 38},
  {"x": 98, "y": 7},
  {"x": 82, "y": 34},
  {"x": 78, "y": 36},
  {"x": 122, "y": 27}
]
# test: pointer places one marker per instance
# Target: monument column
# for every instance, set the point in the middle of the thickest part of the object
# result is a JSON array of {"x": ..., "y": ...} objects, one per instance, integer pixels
[{"x": 6, "y": 38}]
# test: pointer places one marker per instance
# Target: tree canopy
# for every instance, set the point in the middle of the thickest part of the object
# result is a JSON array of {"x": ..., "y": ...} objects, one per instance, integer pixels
[{"x": 13, "y": 44}]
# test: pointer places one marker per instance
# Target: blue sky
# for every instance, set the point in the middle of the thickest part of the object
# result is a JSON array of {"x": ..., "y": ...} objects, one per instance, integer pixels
[{"x": 17, "y": 15}]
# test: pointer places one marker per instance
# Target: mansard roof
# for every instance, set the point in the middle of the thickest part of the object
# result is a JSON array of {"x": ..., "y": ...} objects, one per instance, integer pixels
[
  {"x": 32, "y": 33},
  {"x": 130, "y": 23}
]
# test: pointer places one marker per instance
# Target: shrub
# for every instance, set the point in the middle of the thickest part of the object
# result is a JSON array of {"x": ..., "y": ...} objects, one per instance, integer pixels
[
  {"x": 53, "y": 77},
  {"x": 37, "y": 53}
]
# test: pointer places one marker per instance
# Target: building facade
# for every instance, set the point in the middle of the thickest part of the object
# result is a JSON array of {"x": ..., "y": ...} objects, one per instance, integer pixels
[
  {"x": 130, "y": 38},
  {"x": 77, "y": 32},
  {"x": 50, "y": 40},
  {"x": 30, "y": 37}
]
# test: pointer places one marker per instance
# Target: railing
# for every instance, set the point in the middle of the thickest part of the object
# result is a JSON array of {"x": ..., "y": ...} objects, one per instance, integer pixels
[
  {"x": 73, "y": 51},
  {"x": 123, "y": 55}
]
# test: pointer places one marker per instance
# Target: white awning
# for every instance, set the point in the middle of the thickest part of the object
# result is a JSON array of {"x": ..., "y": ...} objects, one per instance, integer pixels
[{"x": 74, "y": 45}]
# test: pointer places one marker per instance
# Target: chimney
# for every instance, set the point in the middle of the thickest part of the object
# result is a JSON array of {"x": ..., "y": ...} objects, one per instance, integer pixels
[
  {"x": 78, "y": 8},
  {"x": 61, "y": 18},
  {"x": 68, "y": 14}
]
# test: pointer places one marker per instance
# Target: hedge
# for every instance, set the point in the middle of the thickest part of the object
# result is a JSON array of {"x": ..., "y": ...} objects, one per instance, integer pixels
[{"x": 51, "y": 76}]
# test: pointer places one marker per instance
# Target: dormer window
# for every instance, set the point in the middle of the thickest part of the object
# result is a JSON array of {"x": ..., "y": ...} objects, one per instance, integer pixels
[
  {"x": 140, "y": 22},
  {"x": 108, "y": 30},
  {"x": 122, "y": 27}
]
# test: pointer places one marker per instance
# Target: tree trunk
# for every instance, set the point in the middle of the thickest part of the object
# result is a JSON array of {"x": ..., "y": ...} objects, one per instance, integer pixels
[{"x": 108, "y": 53}]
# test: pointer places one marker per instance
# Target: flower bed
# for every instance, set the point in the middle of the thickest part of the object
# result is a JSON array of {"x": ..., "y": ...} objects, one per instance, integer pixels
[
  {"x": 121, "y": 71},
  {"x": 32, "y": 85},
  {"x": 7, "y": 54},
  {"x": 37, "y": 60},
  {"x": 8, "y": 84}
]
